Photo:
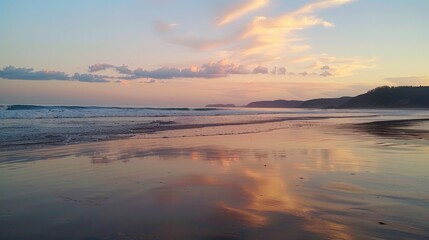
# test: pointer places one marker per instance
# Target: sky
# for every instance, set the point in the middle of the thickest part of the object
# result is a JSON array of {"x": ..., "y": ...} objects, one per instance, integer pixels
[{"x": 196, "y": 52}]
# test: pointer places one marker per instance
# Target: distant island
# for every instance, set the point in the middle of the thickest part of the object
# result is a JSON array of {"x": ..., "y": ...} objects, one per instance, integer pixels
[{"x": 380, "y": 97}]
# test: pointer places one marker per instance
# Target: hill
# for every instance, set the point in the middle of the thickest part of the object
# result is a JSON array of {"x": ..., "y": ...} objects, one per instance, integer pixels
[
  {"x": 275, "y": 104},
  {"x": 325, "y": 102},
  {"x": 313, "y": 103},
  {"x": 381, "y": 97},
  {"x": 391, "y": 97}
]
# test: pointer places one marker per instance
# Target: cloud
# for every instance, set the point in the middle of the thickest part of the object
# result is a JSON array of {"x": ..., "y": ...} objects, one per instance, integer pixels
[
  {"x": 103, "y": 66},
  {"x": 266, "y": 37},
  {"x": 220, "y": 68},
  {"x": 123, "y": 69},
  {"x": 275, "y": 36},
  {"x": 409, "y": 81},
  {"x": 326, "y": 74},
  {"x": 164, "y": 27},
  {"x": 213, "y": 69},
  {"x": 278, "y": 71},
  {"x": 11, "y": 72},
  {"x": 260, "y": 69},
  {"x": 14, "y": 73},
  {"x": 89, "y": 78},
  {"x": 240, "y": 10},
  {"x": 224, "y": 67},
  {"x": 266, "y": 40},
  {"x": 326, "y": 67},
  {"x": 320, "y": 5},
  {"x": 160, "y": 73},
  {"x": 336, "y": 66},
  {"x": 99, "y": 67},
  {"x": 281, "y": 71}
]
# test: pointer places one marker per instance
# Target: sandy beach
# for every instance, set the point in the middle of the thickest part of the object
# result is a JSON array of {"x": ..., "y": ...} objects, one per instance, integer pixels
[{"x": 302, "y": 179}]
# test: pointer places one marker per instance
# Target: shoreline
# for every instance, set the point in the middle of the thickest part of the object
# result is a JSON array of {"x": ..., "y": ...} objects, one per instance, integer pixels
[
  {"x": 384, "y": 129},
  {"x": 133, "y": 129}
]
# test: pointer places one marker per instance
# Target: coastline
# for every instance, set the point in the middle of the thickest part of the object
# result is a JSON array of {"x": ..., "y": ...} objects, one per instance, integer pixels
[
  {"x": 40, "y": 132},
  {"x": 45, "y": 132},
  {"x": 149, "y": 128}
]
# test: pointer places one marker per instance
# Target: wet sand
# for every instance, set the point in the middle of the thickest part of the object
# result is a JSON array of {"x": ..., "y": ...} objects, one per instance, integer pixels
[
  {"x": 397, "y": 129},
  {"x": 306, "y": 180}
]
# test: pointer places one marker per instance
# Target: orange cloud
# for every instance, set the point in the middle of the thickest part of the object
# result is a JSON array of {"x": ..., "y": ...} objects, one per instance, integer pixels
[
  {"x": 267, "y": 40},
  {"x": 335, "y": 66},
  {"x": 320, "y": 5},
  {"x": 240, "y": 11},
  {"x": 271, "y": 38}
]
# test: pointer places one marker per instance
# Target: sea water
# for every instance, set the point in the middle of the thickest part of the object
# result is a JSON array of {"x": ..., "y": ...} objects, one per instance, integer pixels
[{"x": 24, "y": 126}]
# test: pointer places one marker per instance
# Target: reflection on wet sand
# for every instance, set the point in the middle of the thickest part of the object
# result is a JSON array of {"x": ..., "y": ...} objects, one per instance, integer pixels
[
  {"x": 288, "y": 184},
  {"x": 253, "y": 200},
  {"x": 397, "y": 129}
]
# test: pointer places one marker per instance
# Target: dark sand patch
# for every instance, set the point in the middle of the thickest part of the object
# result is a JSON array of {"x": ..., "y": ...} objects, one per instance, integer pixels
[{"x": 395, "y": 129}]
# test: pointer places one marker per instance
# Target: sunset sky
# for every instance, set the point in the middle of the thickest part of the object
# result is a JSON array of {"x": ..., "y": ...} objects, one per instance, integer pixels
[{"x": 194, "y": 52}]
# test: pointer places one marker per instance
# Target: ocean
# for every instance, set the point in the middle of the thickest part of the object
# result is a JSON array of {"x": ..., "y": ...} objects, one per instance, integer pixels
[{"x": 38, "y": 125}]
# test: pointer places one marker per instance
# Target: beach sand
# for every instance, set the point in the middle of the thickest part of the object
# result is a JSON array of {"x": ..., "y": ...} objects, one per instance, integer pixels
[{"x": 310, "y": 180}]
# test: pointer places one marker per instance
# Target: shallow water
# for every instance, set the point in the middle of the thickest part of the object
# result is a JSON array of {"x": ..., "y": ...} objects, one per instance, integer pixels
[
  {"x": 39, "y": 126},
  {"x": 316, "y": 180}
]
